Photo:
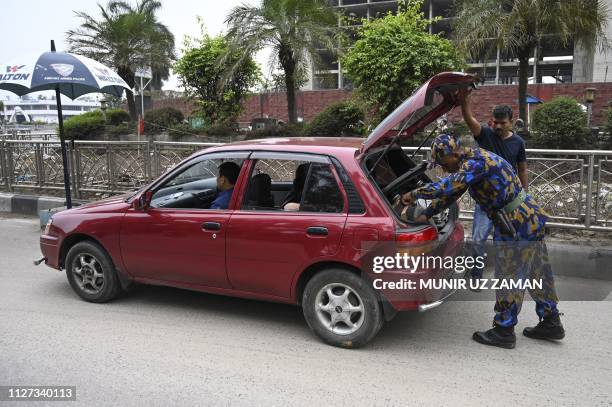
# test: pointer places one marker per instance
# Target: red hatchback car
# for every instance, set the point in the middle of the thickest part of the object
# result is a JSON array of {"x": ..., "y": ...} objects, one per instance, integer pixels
[{"x": 341, "y": 188}]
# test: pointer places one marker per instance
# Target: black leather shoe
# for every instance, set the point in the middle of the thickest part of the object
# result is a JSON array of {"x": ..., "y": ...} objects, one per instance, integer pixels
[
  {"x": 497, "y": 336},
  {"x": 549, "y": 328}
]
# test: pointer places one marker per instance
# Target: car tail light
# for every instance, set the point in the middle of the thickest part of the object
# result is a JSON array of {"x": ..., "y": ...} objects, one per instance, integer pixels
[
  {"x": 416, "y": 243},
  {"x": 424, "y": 235}
]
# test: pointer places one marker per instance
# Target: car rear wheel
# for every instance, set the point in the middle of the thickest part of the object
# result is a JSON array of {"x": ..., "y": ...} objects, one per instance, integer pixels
[
  {"x": 91, "y": 273},
  {"x": 342, "y": 308}
]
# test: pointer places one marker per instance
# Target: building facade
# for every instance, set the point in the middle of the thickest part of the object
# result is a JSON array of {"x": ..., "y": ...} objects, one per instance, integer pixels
[
  {"x": 35, "y": 110},
  {"x": 554, "y": 64}
]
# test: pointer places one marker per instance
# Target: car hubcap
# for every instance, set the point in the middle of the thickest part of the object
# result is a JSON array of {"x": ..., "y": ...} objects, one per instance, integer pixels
[
  {"x": 339, "y": 308},
  {"x": 88, "y": 273}
]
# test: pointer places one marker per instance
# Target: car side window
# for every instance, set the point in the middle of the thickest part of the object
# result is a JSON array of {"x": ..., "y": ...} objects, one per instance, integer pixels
[
  {"x": 292, "y": 185},
  {"x": 202, "y": 170},
  {"x": 194, "y": 187},
  {"x": 274, "y": 183},
  {"x": 321, "y": 193}
]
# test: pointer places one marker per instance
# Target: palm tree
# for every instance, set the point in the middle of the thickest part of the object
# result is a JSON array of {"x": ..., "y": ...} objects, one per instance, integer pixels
[
  {"x": 125, "y": 38},
  {"x": 518, "y": 27},
  {"x": 293, "y": 29}
]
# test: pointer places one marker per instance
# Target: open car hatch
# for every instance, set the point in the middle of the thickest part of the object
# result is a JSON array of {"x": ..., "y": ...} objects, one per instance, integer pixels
[{"x": 436, "y": 97}]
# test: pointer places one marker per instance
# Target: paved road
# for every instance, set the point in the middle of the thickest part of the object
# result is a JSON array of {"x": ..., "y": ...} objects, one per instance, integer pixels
[{"x": 161, "y": 346}]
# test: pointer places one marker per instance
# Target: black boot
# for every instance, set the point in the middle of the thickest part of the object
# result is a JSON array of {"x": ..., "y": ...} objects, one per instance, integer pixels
[
  {"x": 497, "y": 336},
  {"x": 550, "y": 328}
]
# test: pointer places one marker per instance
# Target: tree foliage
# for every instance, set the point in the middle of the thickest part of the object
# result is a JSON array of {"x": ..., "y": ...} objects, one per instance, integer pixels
[
  {"x": 292, "y": 29},
  {"x": 394, "y": 55},
  {"x": 126, "y": 38},
  {"x": 560, "y": 123},
  {"x": 203, "y": 72},
  {"x": 518, "y": 27},
  {"x": 162, "y": 119},
  {"x": 337, "y": 119}
]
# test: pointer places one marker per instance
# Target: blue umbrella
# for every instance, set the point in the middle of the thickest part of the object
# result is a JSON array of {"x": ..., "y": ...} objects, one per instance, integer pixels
[{"x": 68, "y": 74}]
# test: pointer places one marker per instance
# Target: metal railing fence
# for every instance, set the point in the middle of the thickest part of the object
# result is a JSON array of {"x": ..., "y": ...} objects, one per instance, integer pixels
[{"x": 574, "y": 186}]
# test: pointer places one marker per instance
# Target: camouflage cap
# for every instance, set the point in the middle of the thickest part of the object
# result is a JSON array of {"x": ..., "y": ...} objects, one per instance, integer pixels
[{"x": 442, "y": 146}]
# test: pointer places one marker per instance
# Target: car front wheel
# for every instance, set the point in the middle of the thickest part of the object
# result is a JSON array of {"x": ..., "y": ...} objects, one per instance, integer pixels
[
  {"x": 91, "y": 273},
  {"x": 342, "y": 308}
]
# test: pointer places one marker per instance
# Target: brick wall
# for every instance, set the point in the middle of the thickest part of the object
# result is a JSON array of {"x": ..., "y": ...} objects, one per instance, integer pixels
[
  {"x": 274, "y": 105},
  {"x": 310, "y": 103},
  {"x": 486, "y": 97},
  {"x": 183, "y": 104}
]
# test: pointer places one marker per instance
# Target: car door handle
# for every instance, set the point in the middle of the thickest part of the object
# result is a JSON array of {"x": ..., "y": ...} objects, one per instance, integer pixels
[
  {"x": 211, "y": 226},
  {"x": 317, "y": 230}
]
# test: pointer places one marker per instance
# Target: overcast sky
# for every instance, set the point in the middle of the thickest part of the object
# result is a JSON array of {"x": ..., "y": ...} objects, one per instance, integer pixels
[{"x": 29, "y": 25}]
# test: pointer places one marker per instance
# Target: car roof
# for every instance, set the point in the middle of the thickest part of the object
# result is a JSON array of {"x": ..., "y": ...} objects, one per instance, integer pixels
[{"x": 340, "y": 146}]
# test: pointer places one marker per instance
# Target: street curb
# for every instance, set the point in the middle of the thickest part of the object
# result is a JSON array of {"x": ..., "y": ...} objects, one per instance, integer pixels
[
  {"x": 586, "y": 260},
  {"x": 30, "y": 204},
  {"x": 580, "y": 260}
]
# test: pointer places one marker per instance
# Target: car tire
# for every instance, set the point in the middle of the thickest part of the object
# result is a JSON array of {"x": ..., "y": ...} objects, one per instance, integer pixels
[
  {"x": 91, "y": 272},
  {"x": 342, "y": 308}
]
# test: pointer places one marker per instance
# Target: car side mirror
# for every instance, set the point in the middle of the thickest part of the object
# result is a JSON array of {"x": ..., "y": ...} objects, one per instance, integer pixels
[{"x": 143, "y": 201}]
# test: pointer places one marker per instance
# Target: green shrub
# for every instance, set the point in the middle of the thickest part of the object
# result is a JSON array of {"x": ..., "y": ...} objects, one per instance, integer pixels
[
  {"x": 338, "y": 119},
  {"x": 116, "y": 117},
  {"x": 560, "y": 124},
  {"x": 161, "y": 120},
  {"x": 219, "y": 130},
  {"x": 284, "y": 130},
  {"x": 113, "y": 132},
  {"x": 181, "y": 130},
  {"x": 607, "y": 145},
  {"x": 86, "y": 126}
]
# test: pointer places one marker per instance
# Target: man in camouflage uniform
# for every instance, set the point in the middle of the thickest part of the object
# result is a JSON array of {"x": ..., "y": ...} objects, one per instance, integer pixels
[{"x": 520, "y": 249}]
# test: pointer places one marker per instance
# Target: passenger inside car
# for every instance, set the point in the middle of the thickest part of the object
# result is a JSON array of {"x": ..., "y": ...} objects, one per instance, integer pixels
[
  {"x": 293, "y": 199},
  {"x": 228, "y": 175},
  {"x": 260, "y": 192}
]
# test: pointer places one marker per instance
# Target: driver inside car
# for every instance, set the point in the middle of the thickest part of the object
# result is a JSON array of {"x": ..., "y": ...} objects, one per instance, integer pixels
[{"x": 228, "y": 174}]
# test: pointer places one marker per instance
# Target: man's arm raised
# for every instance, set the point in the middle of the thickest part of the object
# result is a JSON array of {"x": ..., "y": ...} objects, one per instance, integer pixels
[{"x": 468, "y": 116}]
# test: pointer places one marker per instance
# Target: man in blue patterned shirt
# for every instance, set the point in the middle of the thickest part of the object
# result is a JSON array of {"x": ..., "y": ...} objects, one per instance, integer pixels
[{"x": 518, "y": 231}]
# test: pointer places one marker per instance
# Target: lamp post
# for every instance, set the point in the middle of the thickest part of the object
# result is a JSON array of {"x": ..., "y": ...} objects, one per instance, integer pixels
[{"x": 589, "y": 98}]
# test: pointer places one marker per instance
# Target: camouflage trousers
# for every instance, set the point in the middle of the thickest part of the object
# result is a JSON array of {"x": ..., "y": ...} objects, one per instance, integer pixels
[{"x": 519, "y": 266}]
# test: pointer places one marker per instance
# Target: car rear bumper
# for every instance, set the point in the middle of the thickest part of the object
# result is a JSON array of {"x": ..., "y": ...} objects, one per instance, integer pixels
[{"x": 424, "y": 300}]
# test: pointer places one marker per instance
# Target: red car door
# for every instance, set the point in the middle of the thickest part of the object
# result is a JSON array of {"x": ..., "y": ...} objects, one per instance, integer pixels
[
  {"x": 177, "y": 239},
  {"x": 267, "y": 246},
  {"x": 176, "y": 245}
]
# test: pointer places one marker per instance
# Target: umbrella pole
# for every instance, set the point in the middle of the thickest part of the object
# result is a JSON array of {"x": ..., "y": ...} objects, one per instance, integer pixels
[{"x": 60, "y": 119}]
